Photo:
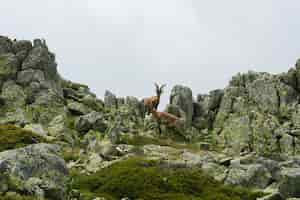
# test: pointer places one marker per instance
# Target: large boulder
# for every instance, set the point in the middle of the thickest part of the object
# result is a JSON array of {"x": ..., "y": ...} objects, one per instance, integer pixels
[
  {"x": 91, "y": 121},
  {"x": 78, "y": 108},
  {"x": 183, "y": 97},
  {"x": 36, "y": 169}
]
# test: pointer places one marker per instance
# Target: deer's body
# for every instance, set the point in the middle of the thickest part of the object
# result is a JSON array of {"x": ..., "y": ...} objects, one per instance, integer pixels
[{"x": 167, "y": 119}]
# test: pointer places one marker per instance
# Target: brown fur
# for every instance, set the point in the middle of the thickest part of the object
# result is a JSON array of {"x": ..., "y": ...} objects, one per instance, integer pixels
[
  {"x": 153, "y": 102},
  {"x": 166, "y": 118}
]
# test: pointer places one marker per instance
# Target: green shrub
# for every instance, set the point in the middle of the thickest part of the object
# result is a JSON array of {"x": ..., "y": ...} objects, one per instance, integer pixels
[
  {"x": 12, "y": 137},
  {"x": 137, "y": 178}
]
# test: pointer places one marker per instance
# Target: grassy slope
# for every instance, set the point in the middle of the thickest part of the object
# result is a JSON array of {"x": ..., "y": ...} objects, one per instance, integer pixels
[{"x": 140, "y": 179}]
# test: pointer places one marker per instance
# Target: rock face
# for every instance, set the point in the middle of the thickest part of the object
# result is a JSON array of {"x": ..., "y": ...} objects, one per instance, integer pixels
[
  {"x": 35, "y": 169},
  {"x": 256, "y": 112},
  {"x": 91, "y": 121},
  {"x": 182, "y": 97}
]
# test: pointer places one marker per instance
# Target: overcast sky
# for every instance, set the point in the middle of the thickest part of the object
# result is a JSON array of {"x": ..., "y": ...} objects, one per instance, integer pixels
[{"x": 127, "y": 45}]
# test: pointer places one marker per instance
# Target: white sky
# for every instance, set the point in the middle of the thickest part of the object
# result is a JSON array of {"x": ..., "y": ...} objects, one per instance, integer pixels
[{"x": 127, "y": 45}]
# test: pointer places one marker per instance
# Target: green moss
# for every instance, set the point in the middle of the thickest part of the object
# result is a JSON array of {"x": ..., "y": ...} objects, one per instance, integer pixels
[
  {"x": 12, "y": 137},
  {"x": 137, "y": 178},
  {"x": 71, "y": 154},
  {"x": 3, "y": 61},
  {"x": 13, "y": 196}
]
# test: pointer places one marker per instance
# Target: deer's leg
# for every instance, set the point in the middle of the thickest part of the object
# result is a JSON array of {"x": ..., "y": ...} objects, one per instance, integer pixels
[{"x": 159, "y": 128}]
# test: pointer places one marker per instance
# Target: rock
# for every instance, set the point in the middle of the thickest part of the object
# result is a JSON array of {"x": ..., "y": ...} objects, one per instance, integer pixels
[
  {"x": 273, "y": 196},
  {"x": 15, "y": 117},
  {"x": 40, "y": 58},
  {"x": 36, "y": 169},
  {"x": 91, "y": 121},
  {"x": 58, "y": 128},
  {"x": 9, "y": 66},
  {"x": 107, "y": 150},
  {"x": 21, "y": 48},
  {"x": 78, "y": 108},
  {"x": 93, "y": 103},
  {"x": 215, "y": 98},
  {"x": 36, "y": 128},
  {"x": 182, "y": 96},
  {"x": 226, "y": 161},
  {"x": 13, "y": 95},
  {"x": 94, "y": 162},
  {"x": 253, "y": 176},
  {"x": 175, "y": 110},
  {"x": 136, "y": 106},
  {"x": 28, "y": 76},
  {"x": 5, "y": 45},
  {"x": 120, "y": 101},
  {"x": 289, "y": 182},
  {"x": 110, "y": 100}
]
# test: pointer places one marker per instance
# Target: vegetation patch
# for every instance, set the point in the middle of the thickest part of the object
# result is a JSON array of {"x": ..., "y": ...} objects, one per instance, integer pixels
[
  {"x": 71, "y": 154},
  {"x": 14, "y": 196},
  {"x": 12, "y": 137},
  {"x": 137, "y": 178}
]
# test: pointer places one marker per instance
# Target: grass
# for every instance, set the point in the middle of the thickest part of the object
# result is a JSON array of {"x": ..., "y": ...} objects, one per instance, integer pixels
[
  {"x": 137, "y": 178},
  {"x": 12, "y": 137},
  {"x": 14, "y": 196}
]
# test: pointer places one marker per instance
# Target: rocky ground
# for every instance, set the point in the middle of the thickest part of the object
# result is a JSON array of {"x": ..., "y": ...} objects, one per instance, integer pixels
[{"x": 59, "y": 141}]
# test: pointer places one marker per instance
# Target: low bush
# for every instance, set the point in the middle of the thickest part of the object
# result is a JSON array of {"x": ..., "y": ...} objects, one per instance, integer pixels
[
  {"x": 12, "y": 137},
  {"x": 141, "y": 179}
]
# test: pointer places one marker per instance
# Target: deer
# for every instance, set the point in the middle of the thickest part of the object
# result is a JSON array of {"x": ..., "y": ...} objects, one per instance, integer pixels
[
  {"x": 168, "y": 119},
  {"x": 152, "y": 102}
]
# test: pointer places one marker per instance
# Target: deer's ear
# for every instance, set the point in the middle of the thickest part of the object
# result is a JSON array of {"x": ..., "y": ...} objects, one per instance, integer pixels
[{"x": 156, "y": 85}]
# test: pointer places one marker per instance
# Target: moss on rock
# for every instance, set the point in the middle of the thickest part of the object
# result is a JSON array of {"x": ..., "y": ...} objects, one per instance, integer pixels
[{"x": 12, "y": 137}]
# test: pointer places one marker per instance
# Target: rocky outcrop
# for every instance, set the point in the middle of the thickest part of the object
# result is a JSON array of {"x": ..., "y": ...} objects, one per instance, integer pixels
[
  {"x": 182, "y": 97},
  {"x": 110, "y": 100},
  {"x": 256, "y": 112},
  {"x": 36, "y": 170}
]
